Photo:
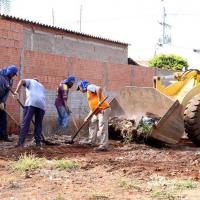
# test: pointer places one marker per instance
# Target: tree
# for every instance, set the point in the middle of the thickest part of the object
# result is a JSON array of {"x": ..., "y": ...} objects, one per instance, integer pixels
[
  {"x": 5, "y": 6},
  {"x": 168, "y": 61}
]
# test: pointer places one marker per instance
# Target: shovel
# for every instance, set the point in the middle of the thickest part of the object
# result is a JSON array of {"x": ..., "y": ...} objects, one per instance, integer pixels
[
  {"x": 42, "y": 136},
  {"x": 84, "y": 123},
  {"x": 74, "y": 121}
]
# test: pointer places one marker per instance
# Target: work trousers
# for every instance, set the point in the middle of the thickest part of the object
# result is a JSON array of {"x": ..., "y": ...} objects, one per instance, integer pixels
[
  {"x": 3, "y": 125},
  {"x": 28, "y": 113},
  {"x": 98, "y": 129}
]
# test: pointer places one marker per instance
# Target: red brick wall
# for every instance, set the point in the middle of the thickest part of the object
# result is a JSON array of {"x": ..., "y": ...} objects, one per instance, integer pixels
[
  {"x": 119, "y": 76},
  {"x": 11, "y": 37},
  {"x": 49, "y": 69},
  {"x": 143, "y": 76}
]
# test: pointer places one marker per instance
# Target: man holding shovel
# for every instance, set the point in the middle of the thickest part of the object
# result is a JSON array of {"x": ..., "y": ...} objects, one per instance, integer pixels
[
  {"x": 6, "y": 81},
  {"x": 34, "y": 106},
  {"x": 61, "y": 102},
  {"x": 98, "y": 127}
]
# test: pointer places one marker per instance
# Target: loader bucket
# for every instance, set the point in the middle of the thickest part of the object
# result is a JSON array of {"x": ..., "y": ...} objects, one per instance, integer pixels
[{"x": 135, "y": 102}]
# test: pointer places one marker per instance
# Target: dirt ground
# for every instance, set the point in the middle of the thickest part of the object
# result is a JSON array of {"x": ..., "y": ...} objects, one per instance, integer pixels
[{"x": 123, "y": 172}]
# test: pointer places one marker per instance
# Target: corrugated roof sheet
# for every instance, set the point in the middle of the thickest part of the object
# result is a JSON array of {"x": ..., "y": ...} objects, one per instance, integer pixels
[{"x": 59, "y": 28}]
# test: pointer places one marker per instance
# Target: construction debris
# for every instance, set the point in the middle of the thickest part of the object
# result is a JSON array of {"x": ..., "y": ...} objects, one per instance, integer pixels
[{"x": 128, "y": 131}]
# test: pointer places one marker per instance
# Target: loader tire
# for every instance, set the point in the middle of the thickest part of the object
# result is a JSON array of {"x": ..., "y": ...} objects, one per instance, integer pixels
[{"x": 192, "y": 120}]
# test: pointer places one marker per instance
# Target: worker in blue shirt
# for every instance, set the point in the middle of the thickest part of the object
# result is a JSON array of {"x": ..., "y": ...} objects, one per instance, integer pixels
[{"x": 6, "y": 81}]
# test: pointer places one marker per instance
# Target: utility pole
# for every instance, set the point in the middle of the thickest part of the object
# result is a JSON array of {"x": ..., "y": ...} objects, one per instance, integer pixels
[
  {"x": 81, "y": 8},
  {"x": 163, "y": 25},
  {"x": 166, "y": 38},
  {"x": 165, "y": 35},
  {"x": 53, "y": 17}
]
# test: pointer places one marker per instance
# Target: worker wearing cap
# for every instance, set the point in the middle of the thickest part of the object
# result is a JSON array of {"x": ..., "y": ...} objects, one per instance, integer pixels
[
  {"x": 35, "y": 105},
  {"x": 98, "y": 127},
  {"x": 61, "y": 101},
  {"x": 6, "y": 81}
]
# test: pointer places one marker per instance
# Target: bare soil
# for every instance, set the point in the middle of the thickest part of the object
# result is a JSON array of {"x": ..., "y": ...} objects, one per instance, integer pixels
[{"x": 101, "y": 175}]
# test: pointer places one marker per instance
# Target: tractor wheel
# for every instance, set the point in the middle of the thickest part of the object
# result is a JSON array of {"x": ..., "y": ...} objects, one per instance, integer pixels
[{"x": 192, "y": 120}]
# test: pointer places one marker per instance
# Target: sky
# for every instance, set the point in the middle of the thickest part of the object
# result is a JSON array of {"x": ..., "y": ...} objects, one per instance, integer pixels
[{"x": 135, "y": 22}]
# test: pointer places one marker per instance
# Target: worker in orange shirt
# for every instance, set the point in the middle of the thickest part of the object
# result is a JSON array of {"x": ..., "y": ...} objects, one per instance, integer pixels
[{"x": 98, "y": 127}]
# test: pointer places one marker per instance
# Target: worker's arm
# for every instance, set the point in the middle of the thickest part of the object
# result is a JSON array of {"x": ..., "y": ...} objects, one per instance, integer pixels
[
  {"x": 86, "y": 118},
  {"x": 20, "y": 84},
  {"x": 3, "y": 85},
  {"x": 99, "y": 93},
  {"x": 66, "y": 106},
  {"x": 64, "y": 95}
]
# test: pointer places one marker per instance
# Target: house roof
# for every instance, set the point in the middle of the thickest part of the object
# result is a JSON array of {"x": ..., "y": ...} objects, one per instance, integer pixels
[{"x": 13, "y": 18}]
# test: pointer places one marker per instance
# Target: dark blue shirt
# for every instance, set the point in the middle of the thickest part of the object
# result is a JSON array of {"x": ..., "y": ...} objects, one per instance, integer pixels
[{"x": 5, "y": 83}]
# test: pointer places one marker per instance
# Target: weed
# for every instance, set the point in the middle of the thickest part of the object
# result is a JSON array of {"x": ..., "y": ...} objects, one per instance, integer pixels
[
  {"x": 27, "y": 163},
  {"x": 162, "y": 188},
  {"x": 99, "y": 196},
  {"x": 144, "y": 128},
  {"x": 65, "y": 164},
  {"x": 129, "y": 185},
  {"x": 187, "y": 184},
  {"x": 163, "y": 194},
  {"x": 59, "y": 197},
  {"x": 127, "y": 137}
]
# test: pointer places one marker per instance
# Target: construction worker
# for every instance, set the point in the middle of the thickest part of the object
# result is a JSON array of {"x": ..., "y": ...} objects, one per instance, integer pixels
[
  {"x": 34, "y": 106},
  {"x": 6, "y": 81},
  {"x": 61, "y": 102},
  {"x": 98, "y": 127}
]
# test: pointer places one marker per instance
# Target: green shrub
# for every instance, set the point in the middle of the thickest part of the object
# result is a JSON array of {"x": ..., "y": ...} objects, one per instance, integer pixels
[{"x": 168, "y": 61}]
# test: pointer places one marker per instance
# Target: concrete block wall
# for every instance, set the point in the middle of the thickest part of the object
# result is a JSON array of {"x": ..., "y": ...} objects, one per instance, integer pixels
[{"x": 66, "y": 45}]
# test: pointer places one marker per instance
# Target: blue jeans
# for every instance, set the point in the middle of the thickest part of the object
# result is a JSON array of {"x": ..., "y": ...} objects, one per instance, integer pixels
[
  {"x": 28, "y": 113},
  {"x": 63, "y": 117},
  {"x": 3, "y": 125}
]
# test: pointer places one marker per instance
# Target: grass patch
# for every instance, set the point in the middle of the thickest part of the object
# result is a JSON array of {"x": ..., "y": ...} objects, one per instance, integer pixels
[
  {"x": 162, "y": 188},
  {"x": 59, "y": 197},
  {"x": 63, "y": 164},
  {"x": 99, "y": 196},
  {"x": 129, "y": 185},
  {"x": 163, "y": 195},
  {"x": 27, "y": 163},
  {"x": 159, "y": 187},
  {"x": 187, "y": 184}
]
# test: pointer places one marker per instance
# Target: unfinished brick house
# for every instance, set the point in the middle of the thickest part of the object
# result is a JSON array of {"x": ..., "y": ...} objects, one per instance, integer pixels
[{"x": 51, "y": 53}]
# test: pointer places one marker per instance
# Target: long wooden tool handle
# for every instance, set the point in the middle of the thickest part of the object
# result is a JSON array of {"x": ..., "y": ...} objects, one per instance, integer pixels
[
  {"x": 11, "y": 117},
  {"x": 20, "y": 103},
  {"x": 74, "y": 121},
  {"x": 89, "y": 117}
]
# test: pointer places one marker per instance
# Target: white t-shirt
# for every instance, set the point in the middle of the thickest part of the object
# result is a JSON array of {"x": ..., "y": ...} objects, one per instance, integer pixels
[{"x": 35, "y": 94}]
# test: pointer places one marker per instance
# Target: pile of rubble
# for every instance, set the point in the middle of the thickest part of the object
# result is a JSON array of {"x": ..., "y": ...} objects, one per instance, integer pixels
[{"x": 127, "y": 130}]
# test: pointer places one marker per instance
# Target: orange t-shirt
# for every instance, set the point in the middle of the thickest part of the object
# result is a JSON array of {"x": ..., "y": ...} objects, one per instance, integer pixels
[{"x": 93, "y": 101}]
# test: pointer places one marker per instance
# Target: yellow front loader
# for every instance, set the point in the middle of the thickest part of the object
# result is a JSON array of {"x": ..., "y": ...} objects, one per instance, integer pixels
[{"x": 176, "y": 99}]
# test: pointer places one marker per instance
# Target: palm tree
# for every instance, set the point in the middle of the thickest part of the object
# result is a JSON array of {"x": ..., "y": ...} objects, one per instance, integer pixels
[{"x": 5, "y": 6}]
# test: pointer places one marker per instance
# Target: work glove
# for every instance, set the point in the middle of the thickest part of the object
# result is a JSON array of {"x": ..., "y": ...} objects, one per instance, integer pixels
[
  {"x": 16, "y": 96},
  {"x": 2, "y": 106}
]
